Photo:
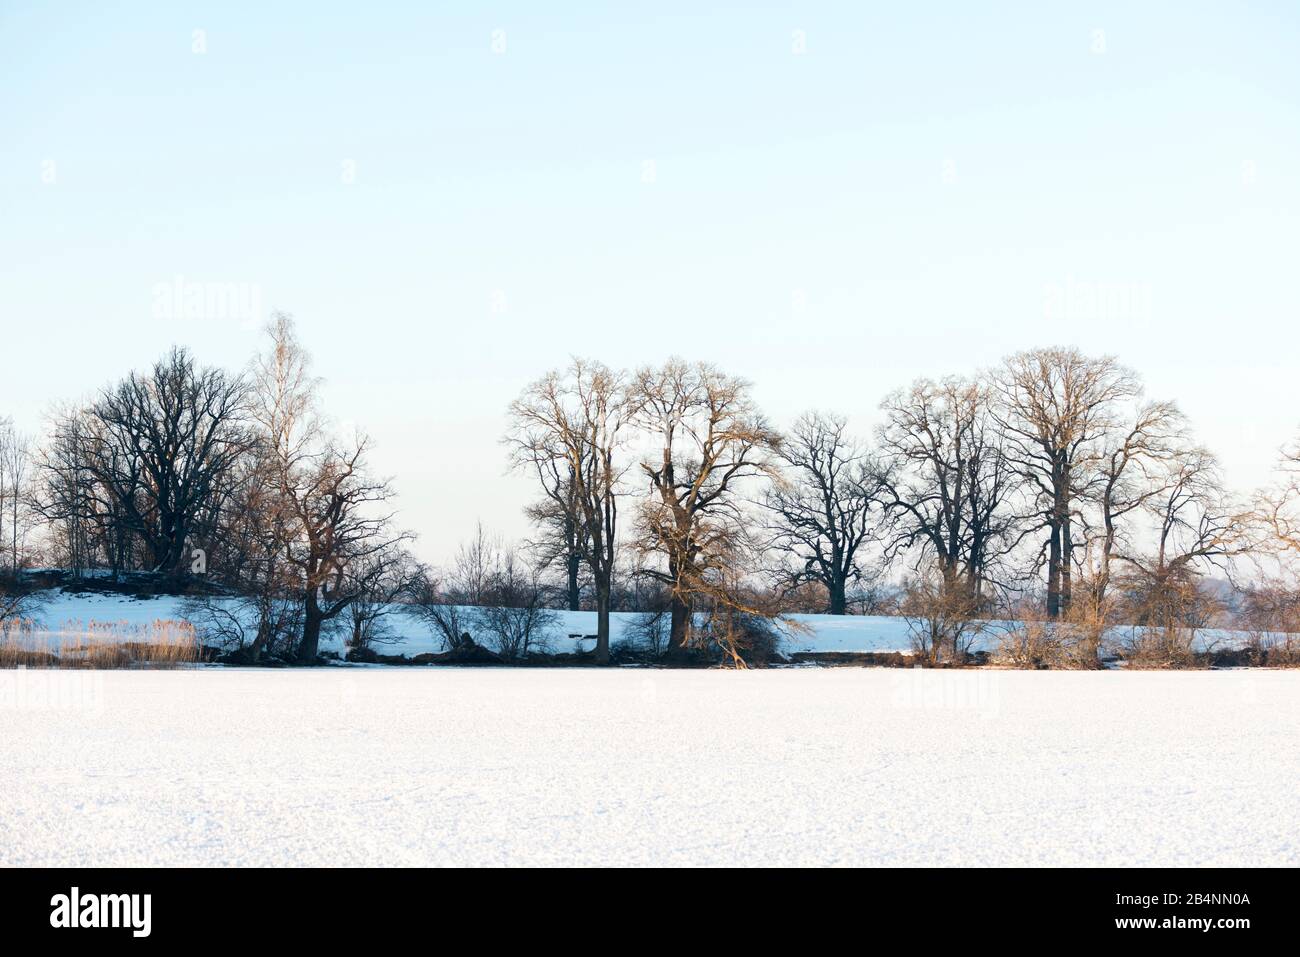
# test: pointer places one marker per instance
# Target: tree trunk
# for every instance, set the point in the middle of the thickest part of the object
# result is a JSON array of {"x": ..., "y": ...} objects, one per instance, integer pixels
[
  {"x": 681, "y": 618},
  {"x": 1054, "y": 574},
  {"x": 1067, "y": 564},
  {"x": 574, "y": 596},
  {"x": 259, "y": 642},
  {"x": 602, "y": 622},
  {"x": 679, "y": 565},
  {"x": 839, "y": 604},
  {"x": 311, "y": 625},
  {"x": 1103, "y": 575}
]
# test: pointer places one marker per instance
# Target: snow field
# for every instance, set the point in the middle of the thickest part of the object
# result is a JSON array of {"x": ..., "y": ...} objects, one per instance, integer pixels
[{"x": 640, "y": 767}]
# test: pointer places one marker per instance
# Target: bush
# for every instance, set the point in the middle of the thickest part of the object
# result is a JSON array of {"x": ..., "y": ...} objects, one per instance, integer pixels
[
  {"x": 1045, "y": 644},
  {"x": 741, "y": 639},
  {"x": 942, "y": 617},
  {"x": 1159, "y": 648},
  {"x": 1265, "y": 649},
  {"x": 646, "y": 634},
  {"x": 517, "y": 632}
]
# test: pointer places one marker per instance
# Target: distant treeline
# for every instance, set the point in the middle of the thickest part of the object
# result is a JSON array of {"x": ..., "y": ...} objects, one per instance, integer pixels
[{"x": 1048, "y": 488}]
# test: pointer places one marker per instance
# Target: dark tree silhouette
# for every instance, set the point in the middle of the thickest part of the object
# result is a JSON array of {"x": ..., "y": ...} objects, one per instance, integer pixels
[{"x": 821, "y": 513}]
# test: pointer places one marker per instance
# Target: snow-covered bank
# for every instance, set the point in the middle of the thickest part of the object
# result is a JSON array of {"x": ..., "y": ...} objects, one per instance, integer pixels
[
  {"x": 512, "y": 766},
  {"x": 573, "y": 630},
  {"x": 413, "y": 636}
]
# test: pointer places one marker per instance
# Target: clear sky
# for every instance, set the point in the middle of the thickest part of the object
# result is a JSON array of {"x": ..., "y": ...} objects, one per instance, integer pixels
[{"x": 827, "y": 198}]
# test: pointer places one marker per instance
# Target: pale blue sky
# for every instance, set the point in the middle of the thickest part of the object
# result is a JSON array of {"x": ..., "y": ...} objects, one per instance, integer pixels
[{"x": 910, "y": 195}]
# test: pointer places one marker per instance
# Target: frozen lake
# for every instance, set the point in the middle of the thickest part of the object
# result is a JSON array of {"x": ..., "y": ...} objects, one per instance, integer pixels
[{"x": 510, "y": 766}]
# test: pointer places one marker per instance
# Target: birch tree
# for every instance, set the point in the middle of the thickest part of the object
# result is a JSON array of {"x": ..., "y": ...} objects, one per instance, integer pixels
[{"x": 335, "y": 512}]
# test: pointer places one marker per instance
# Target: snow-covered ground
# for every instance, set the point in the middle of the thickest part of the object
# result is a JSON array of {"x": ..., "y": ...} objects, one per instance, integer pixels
[
  {"x": 413, "y": 637},
  {"x": 577, "y": 766}
]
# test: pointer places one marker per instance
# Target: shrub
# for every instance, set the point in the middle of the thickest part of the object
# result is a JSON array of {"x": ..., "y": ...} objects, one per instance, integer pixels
[
  {"x": 516, "y": 632},
  {"x": 942, "y": 617},
  {"x": 1069, "y": 644},
  {"x": 1167, "y": 647}
]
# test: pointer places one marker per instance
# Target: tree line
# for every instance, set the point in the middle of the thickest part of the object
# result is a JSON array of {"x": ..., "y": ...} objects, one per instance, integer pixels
[
  {"x": 1046, "y": 488},
  {"x": 194, "y": 473},
  {"x": 1049, "y": 487}
]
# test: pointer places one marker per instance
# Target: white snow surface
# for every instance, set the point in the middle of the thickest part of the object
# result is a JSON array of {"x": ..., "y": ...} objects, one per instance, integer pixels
[{"x": 499, "y": 766}]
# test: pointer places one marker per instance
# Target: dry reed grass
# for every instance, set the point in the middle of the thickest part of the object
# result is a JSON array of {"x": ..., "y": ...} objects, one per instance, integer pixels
[{"x": 99, "y": 645}]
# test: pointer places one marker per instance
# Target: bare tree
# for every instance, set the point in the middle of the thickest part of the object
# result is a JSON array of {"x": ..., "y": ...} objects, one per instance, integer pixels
[
  {"x": 1197, "y": 523},
  {"x": 516, "y": 618},
  {"x": 476, "y": 564},
  {"x": 261, "y": 621},
  {"x": 569, "y": 428},
  {"x": 946, "y": 483},
  {"x": 162, "y": 450},
  {"x": 1058, "y": 408},
  {"x": 1197, "y": 528},
  {"x": 821, "y": 513},
  {"x": 378, "y": 582},
  {"x": 1278, "y": 509},
  {"x": 16, "y": 600},
  {"x": 711, "y": 438},
  {"x": 8, "y": 484},
  {"x": 251, "y": 555},
  {"x": 1136, "y": 464},
  {"x": 449, "y": 600},
  {"x": 334, "y": 502},
  {"x": 14, "y": 603},
  {"x": 1270, "y": 615},
  {"x": 439, "y": 605},
  {"x": 334, "y": 510},
  {"x": 560, "y": 540},
  {"x": 943, "y": 621},
  {"x": 15, "y": 493},
  {"x": 65, "y": 496}
]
